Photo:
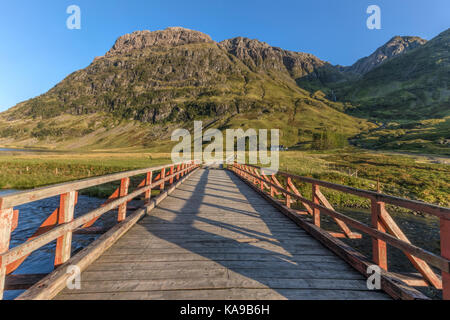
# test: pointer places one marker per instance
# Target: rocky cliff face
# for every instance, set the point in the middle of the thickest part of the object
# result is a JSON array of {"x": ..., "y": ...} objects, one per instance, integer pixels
[
  {"x": 259, "y": 55},
  {"x": 173, "y": 36},
  {"x": 394, "y": 47}
]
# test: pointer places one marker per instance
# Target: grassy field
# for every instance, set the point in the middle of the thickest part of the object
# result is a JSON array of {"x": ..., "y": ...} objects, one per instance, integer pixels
[
  {"x": 30, "y": 170},
  {"x": 406, "y": 176}
]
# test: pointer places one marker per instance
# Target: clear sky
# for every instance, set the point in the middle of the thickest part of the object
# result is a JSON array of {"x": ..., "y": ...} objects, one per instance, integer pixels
[{"x": 37, "y": 50}]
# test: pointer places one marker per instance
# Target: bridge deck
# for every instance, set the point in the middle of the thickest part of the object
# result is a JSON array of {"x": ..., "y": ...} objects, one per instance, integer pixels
[{"x": 216, "y": 238}]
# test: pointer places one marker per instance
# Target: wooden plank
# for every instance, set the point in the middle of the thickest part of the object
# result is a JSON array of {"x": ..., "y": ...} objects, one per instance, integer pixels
[
  {"x": 242, "y": 282},
  {"x": 220, "y": 272},
  {"x": 52, "y": 284},
  {"x": 230, "y": 294}
]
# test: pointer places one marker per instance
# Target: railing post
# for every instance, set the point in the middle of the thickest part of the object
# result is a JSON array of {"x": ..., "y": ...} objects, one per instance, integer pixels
[
  {"x": 6, "y": 218},
  {"x": 123, "y": 191},
  {"x": 379, "y": 249},
  {"x": 163, "y": 176},
  {"x": 148, "y": 181},
  {"x": 171, "y": 173},
  {"x": 315, "y": 199},
  {"x": 445, "y": 253},
  {"x": 288, "y": 197},
  {"x": 65, "y": 214},
  {"x": 178, "y": 172}
]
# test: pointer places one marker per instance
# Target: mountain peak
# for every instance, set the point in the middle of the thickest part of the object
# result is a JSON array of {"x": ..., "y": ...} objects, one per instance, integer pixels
[
  {"x": 172, "y": 36},
  {"x": 394, "y": 47}
]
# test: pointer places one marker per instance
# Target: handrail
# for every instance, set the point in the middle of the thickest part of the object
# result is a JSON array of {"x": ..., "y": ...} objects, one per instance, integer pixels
[
  {"x": 61, "y": 224},
  {"x": 381, "y": 221},
  {"x": 22, "y": 197},
  {"x": 441, "y": 212}
]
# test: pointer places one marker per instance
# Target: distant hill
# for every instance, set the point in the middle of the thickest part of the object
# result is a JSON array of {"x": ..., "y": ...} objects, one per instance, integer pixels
[{"x": 404, "y": 87}]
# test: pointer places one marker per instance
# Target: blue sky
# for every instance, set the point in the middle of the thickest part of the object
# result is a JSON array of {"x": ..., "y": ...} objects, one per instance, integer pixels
[{"x": 37, "y": 50}]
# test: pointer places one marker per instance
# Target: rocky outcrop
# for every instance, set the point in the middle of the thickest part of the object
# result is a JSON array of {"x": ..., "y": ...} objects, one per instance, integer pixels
[
  {"x": 259, "y": 55},
  {"x": 394, "y": 47},
  {"x": 173, "y": 36}
]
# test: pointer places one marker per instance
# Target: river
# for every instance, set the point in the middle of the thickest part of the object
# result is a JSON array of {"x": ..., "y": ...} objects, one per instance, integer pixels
[{"x": 31, "y": 215}]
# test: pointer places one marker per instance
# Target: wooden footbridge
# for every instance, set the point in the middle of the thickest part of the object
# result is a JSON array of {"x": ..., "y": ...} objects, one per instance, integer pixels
[{"x": 206, "y": 233}]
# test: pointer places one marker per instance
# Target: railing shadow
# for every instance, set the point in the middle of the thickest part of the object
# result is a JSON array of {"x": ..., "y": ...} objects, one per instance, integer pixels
[{"x": 260, "y": 248}]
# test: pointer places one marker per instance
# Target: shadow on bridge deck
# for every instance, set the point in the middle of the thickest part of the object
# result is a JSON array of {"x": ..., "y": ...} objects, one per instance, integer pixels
[{"x": 216, "y": 238}]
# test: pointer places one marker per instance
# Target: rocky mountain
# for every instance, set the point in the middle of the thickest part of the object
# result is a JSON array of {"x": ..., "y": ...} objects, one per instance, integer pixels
[
  {"x": 409, "y": 96},
  {"x": 394, "y": 47},
  {"x": 155, "y": 81}
]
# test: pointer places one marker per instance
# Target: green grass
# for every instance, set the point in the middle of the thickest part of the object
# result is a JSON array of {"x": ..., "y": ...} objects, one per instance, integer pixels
[
  {"x": 24, "y": 171},
  {"x": 403, "y": 176}
]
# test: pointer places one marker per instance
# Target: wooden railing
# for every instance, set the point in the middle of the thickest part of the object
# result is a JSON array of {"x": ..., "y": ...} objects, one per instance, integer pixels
[
  {"x": 383, "y": 228},
  {"x": 61, "y": 224}
]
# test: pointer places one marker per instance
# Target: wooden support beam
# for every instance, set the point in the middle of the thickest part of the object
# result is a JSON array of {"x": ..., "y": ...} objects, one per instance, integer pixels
[
  {"x": 340, "y": 223},
  {"x": 111, "y": 198},
  {"x": 124, "y": 185},
  {"x": 295, "y": 190},
  {"x": 445, "y": 252},
  {"x": 65, "y": 214},
  {"x": 171, "y": 173},
  {"x": 379, "y": 248},
  {"x": 15, "y": 220},
  {"x": 148, "y": 181},
  {"x": 163, "y": 175},
  {"x": 6, "y": 219},
  {"x": 47, "y": 225},
  {"x": 288, "y": 197},
  {"x": 178, "y": 174},
  {"x": 315, "y": 199},
  {"x": 424, "y": 269}
]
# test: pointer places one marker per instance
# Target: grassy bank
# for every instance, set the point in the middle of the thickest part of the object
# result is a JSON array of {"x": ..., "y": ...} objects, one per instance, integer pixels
[
  {"x": 406, "y": 176},
  {"x": 31, "y": 170}
]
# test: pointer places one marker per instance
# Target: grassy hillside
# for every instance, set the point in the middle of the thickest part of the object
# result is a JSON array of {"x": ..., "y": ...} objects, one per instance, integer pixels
[{"x": 406, "y": 96}]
